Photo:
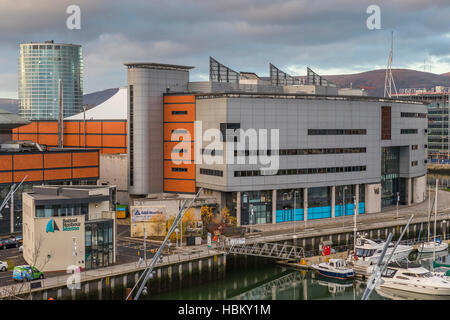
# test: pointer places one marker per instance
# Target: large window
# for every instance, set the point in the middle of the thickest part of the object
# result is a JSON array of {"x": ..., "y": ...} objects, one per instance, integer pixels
[
  {"x": 390, "y": 167},
  {"x": 256, "y": 207},
  {"x": 62, "y": 210},
  {"x": 99, "y": 243},
  {"x": 385, "y": 123}
]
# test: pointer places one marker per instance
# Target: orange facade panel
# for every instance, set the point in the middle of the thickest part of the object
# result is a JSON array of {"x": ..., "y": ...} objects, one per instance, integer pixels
[
  {"x": 78, "y": 173},
  {"x": 182, "y": 186},
  {"x": 114, "y": 134},
  {"x": 71, "y": 140},
  {"x": 26, "y": 136},
  {"x": 57, "y": 160},
  {"x": 179, "y": 131},
  {"x": 114, "y": 141},
  {"x": 6, "y": 177},
  {"x": 93, "y": 140},
  {"x": 27, "y": 161},
  {"x": 115, "y": 127},
  {"x": 179, "y": 99},
  {"x": 48, "y": 139},
  {"x": 85, "y": 159},
  {"x": 94, "y": 127},
  {"x": 5, "y": 162},
  {"x": 179, "y": 171},
  {"x": 48, "y": 127},
  {"x": 28, "y": 128},
  {"x": 57, "y": 174},
  {"x": 179, "y": 151},
  {"x": 113, "y": 150},
  {"x": 71, "y": 127},
  {"x": 179, "y": 112},
  {"x": 31, "y": 175}
]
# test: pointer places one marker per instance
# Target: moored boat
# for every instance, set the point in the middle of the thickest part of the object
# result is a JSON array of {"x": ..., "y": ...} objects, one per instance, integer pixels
[
  {"x": 334, "y": 268},
  {"x": 415, "y": 279}
]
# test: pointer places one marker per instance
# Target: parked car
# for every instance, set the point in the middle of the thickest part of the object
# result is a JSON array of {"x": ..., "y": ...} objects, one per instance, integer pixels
[
  {"x": 8, "y": 243},
  {"x": 27, "y": 273},
  {"x": 3, "y": 266},
  {"x": 18, "y": 239}
]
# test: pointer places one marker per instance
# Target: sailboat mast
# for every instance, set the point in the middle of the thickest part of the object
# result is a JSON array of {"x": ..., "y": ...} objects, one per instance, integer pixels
[
  {"x": 435, "y": 215},
  {"x": 429, "y": 213}
]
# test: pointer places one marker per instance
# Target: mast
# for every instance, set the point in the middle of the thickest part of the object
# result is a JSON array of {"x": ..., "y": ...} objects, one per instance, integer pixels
[
  {"x": 429, "y": 213},
  {"x": 435, "y": 214}
]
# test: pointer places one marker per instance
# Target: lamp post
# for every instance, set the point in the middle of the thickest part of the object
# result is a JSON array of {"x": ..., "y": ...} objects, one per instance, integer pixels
[
  {"x": 444, "y": 228},
  {"x": 295, "y": 207},
  {"x": 145, "y": 246},
  {"x": 398, "y": 199},
  {"x": 176, "y": 231},
  {"x": 251, "y": 218}
]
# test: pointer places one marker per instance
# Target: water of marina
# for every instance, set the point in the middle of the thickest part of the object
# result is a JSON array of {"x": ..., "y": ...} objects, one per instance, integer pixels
[{"x": 275, "y": 282}]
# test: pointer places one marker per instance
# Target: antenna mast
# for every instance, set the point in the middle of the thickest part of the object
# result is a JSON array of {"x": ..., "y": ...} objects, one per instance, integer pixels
[{"x": 389, "y": 79}]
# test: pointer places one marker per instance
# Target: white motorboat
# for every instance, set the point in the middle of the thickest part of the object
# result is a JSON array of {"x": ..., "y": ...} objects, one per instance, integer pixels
[
  {"x": 369, "y": 251},
  {"x": 334, "y": 268},
  {"x": 414, "y": 279},
  {"x": 432, "y": 246}
]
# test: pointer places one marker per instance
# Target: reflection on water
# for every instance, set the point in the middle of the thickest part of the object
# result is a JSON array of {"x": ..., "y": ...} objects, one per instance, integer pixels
[{"x": 275, "y": 282}]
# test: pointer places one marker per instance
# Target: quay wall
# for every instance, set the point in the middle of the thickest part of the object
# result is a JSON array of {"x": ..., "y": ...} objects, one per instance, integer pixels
[{"x": 167, "y": 276}]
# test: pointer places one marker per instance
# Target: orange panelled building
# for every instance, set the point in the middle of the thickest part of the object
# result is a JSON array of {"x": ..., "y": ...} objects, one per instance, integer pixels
[
  {"x": 109, "y": 136},
  {"x": 179, "y": 164},
  {"x": 49, "y": 166}
]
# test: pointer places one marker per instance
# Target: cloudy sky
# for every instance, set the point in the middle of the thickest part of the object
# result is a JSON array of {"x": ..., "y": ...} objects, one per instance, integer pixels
[{"x": 330, "y": 36}]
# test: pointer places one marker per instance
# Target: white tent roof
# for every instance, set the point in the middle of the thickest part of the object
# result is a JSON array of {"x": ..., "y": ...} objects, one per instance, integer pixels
[{"x": 115, "y": 108}]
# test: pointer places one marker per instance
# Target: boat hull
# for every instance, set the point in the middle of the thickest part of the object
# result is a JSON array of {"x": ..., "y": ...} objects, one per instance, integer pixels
[
  {"x": 419, "y": 289},
  {"x": 336, "y": 275},
  {"x": 430, "y": 248}
]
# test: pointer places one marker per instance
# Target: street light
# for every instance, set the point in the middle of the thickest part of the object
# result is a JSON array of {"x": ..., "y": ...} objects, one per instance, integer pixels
[
  {"x": 295, "y": 207},
  {"x": 398, "y": 199},
  {"x": 176, "y": 231},
  {"x": 251, "y": 218},
  {"x": 445, "y": 228}
]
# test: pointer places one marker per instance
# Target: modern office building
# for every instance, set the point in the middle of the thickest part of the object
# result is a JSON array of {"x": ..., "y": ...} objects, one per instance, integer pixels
[
  {"x": 334, "y": 151},
  {"x": 41, "y": 67},
  {"x": 438, "y": 100},
  {"x": 69, "y": 225}
]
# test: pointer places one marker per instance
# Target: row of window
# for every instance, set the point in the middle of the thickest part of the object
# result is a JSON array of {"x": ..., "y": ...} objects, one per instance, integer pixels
[
  {"x": 283, "y": 172},
  {"x": 413, "y": 115},
  {"x": 61, "y": 210},
  {"x": 210, "y": 172},
  {"x": 179, "y": 169},
  {"x": 408, "y": 131},
  {"x": 336, "y": 131},
  {"x": 286, "y": 152},
  {"x": 179, "y": 112}
]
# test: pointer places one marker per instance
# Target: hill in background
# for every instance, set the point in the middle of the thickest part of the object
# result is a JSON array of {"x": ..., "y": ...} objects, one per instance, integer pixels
[{"x": 90, "y": 99}]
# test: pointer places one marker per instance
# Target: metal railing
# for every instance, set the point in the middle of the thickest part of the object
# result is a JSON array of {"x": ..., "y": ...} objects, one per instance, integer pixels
[{"x": 97, "y": 274}]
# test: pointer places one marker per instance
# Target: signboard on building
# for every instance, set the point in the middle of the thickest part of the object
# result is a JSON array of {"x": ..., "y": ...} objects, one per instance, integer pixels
[
  {"x": 144, "y": 213},
  {"x": 209, "y": 240}
]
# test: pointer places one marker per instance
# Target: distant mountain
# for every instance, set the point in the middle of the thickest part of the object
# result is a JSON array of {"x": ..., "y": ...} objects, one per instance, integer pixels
[
  {"x": 10, "y": 105},
  {"x": 97, "y": 97},
  {"x": 404, "y": 78},
  {"x": 446, "y": 74},
  {"x": 90, "y": 99}
]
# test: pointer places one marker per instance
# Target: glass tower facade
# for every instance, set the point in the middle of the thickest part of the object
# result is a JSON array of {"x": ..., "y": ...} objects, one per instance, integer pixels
[{"x": 41, "y": 66}]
